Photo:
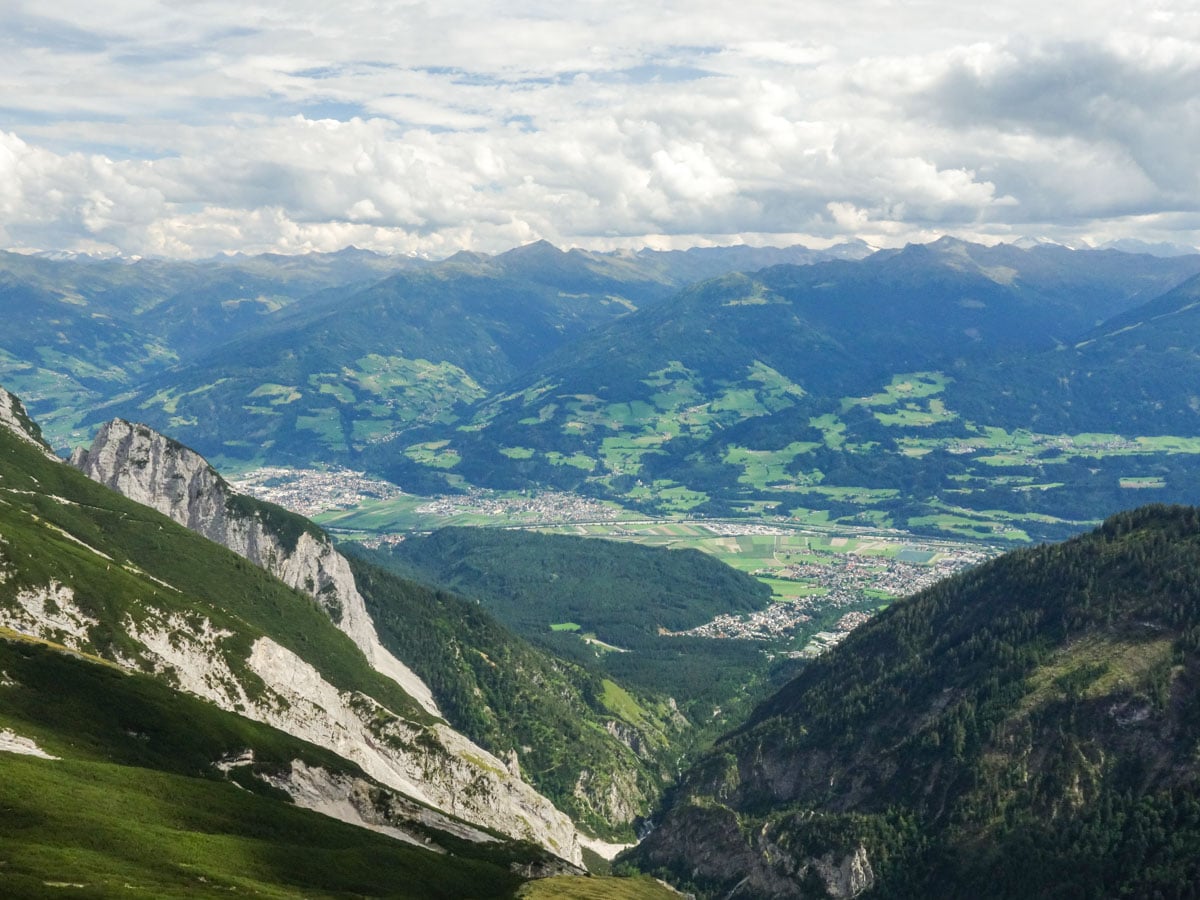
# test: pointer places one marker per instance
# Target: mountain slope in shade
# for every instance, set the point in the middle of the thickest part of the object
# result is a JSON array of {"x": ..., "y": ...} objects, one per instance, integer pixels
[
  {"x": 1028, "y": 729},
  {"x": 617, "y": 594},
  {"x": 1138, "y": 372}
]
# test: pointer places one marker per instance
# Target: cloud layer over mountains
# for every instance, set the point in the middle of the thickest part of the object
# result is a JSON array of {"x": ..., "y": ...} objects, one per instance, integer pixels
[{"x": 186, "y": 129}]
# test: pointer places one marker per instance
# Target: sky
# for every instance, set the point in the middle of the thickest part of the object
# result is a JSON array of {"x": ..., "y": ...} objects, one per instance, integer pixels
[{"x": 186, "y": 128}]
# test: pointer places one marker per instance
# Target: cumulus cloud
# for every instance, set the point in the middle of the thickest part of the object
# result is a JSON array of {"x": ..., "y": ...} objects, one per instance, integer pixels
[{"x": 186, "y": 129}]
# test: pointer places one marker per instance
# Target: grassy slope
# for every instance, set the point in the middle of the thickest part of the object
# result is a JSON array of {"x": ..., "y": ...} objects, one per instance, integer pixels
[
  {"x": 204, "y": 578},
  {"x": 135, "y": 802}
]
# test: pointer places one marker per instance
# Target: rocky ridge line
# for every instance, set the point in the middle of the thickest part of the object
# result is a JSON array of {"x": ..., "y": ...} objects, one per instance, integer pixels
[
  {"x": 468, "y": 782},
  {"x": 14, "y": 417},
  {"x": 154, "y": 470}
]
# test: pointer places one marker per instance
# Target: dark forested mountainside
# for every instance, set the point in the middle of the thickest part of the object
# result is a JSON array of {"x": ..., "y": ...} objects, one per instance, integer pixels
[
  {"x": 601, "y": 754},
  {"x": 610, "y": 606},
  {"x": 1027, "y": 729},
  {"x": 1140, "y": 369}
]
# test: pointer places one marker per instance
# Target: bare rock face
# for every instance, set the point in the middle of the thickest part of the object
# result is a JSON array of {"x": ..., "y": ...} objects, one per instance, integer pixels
[
  {"x": 158, "y": 472},
  {"x": 15, "y": 419},
  {"x": 847, "y": 877},
  {"x": 431, "y": 763},
  {"x": 711, "y": 845}
]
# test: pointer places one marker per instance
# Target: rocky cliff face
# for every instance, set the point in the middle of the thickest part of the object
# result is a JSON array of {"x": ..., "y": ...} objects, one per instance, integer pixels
[
  {"x": 707, "y": 846},
  {"x": 429, "y": 762},
  {"x": 158, "y": 472},
  {"x": 15, "y": 419}
]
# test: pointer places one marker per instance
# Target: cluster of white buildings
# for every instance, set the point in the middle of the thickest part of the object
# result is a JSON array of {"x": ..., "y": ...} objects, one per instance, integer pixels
[
  {"x": 312, "y": 491},
  {"x": 548, "y": 506}
]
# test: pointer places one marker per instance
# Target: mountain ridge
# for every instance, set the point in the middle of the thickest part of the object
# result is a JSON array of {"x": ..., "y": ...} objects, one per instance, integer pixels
[
  {"x": 161, "y": 473},
  {"x": 1000, "y": 733},
  {"x": 207, "y": 623}
]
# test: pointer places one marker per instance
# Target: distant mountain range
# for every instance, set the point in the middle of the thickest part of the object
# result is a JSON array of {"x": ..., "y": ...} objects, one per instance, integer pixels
[
  {"x": 921, "y": 387},
  {"x": 85, "y": 330}
]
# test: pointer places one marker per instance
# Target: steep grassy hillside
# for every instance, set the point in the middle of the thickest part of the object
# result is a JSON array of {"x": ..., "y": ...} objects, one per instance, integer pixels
[
  {"x": 608, "y": 605},
  {"x": 88, "y": 568},
  {"x": 1028, "y": 729},
  {"x": 162, "y": 793},
  {"x": 113, "y": 778},
  {"x": 120, "y": 560},
  {"x": 602, "y": 761}
]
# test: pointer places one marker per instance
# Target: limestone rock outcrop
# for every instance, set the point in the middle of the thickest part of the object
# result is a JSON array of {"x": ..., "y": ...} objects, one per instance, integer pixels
[
  {"x": 430, "y": 762},
  {"x": 15, "y": 419},
  {"x": 154, "y": 470}
]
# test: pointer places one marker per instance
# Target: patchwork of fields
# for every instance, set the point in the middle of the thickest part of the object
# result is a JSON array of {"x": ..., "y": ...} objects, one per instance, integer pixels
[{"x": 825, "y": 578}]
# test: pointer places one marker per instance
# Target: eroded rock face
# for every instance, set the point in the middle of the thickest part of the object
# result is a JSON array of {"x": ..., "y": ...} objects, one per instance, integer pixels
[
  {"x": 847, "y": 877},
  {"x": 15, "y": 419},
  {"x": 711, "y": 846},
  {"x": 431, "y": 763},
  {"x": 158, "y": 472}
]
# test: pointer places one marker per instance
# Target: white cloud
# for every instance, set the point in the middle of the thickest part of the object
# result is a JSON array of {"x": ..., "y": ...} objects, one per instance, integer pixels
[{"x": 185, "y": 129}]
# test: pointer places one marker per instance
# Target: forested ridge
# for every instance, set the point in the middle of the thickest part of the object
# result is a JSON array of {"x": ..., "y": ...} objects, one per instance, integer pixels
[
  {"x": 626, "y": 596},
  {"x": 1029, "y": 728},
  {"x": 604, "y": 764}
]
